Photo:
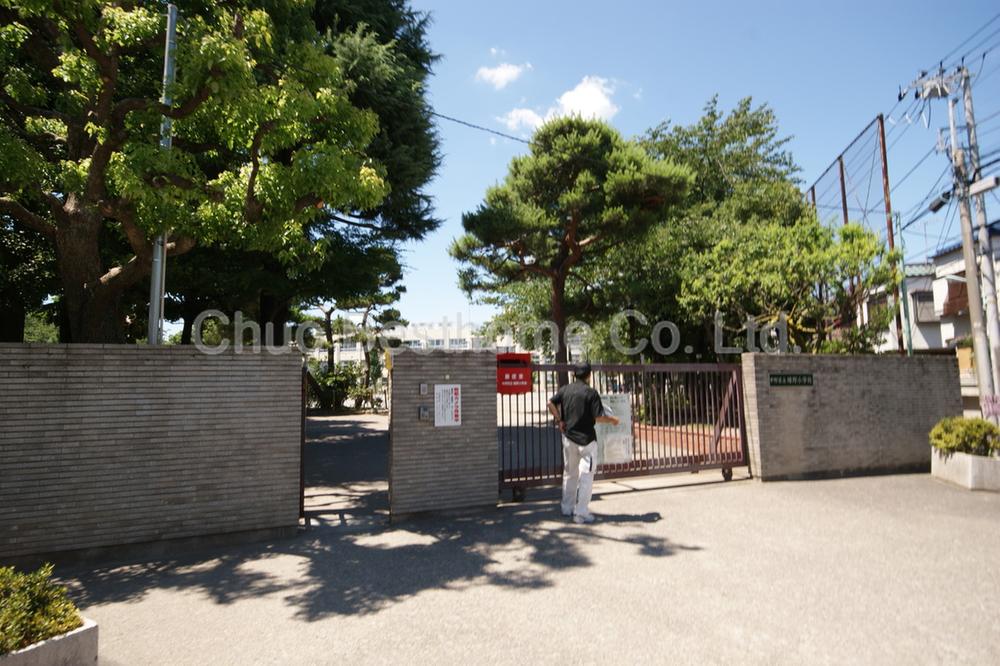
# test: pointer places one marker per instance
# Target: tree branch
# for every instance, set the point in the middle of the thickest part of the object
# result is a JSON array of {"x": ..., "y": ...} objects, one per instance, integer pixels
[
  {"x": 27, "y": 218},
  {"x": 306, "y": 201},
  {"x": 252, "y": 207},
  {"x": 180, "y": 245},
  {"x": 355, "y": 223},
  {"x": 28, "y": 110},
  {"x": 104, "y": 61},
  {"x": 159, "y": 180},
  {"x": 189, "y": 106},
  {"x": 136, "y": 238}
]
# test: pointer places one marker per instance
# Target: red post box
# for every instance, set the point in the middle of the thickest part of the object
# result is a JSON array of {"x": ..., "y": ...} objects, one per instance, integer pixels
[{"x": 513, "y": 373}]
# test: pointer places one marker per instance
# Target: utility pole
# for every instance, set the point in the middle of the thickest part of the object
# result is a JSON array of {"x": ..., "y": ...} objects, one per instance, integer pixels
[
  {"x": 980, "y": 344},
  {"x": 985, "y": 242},
  {"x": 888, "y": 228},
  {"x": 902, "y": 290},
  {"x": 157, "y": 276}
]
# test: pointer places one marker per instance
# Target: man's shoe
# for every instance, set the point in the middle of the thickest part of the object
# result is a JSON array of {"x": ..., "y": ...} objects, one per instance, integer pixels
[{"x": 583, "y": 520}]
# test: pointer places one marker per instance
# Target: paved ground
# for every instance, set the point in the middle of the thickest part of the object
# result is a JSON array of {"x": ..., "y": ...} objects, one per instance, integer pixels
[{"x": 680, "y": 569}]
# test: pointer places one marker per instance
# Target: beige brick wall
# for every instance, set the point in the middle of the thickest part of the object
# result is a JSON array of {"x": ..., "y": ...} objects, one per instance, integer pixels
[
  {"x": 107, "y": 445},
  {"x": 439, "y": 468},
  {"x": 862, "y": 414}
]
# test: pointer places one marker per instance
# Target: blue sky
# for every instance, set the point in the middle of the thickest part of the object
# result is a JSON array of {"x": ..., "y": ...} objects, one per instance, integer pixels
[{"x": 826, "y": 69}]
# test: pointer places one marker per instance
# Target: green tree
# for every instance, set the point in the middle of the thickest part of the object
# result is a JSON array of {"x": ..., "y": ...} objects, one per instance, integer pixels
[
  {"x": 267, "y": 141},
  {"x": 26, "y": 277},
  {"x": 581, "y": 191},
  {"x": 381, "y": 48},
  {"x": 761, "y": 272},
  {"x": 744, "y": 243}
]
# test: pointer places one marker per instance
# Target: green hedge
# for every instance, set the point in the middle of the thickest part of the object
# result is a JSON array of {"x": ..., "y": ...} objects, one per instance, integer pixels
[
  {"x": 33, "y": 608},
  {"x": 960, "y": 435}
]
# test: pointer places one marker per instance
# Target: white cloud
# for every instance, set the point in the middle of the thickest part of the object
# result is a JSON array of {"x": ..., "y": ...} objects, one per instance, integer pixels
[
  {"x": 516, "y": 119},
  {"x": 591, "y": 98},
  {"x": 637, "y": 94},
  {"x": 495, "y": 52},
  {"x": 501, "y": 75}
]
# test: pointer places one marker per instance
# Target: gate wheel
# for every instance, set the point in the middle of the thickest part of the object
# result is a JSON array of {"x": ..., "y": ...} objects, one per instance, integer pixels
[
  {"x": 517, "y": 494},
  {"x": 727, "y": 473}
]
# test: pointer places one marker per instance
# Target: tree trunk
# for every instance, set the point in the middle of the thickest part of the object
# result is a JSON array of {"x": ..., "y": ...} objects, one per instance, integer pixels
[
  {"x": 559, "y": 319},
  {"x": 92, "y": 308},
  {"x": 12, "y": 321},
  {"x": 331, "y": 356},
  {"x": 274, "y": 310},
  {"x": 187, "y": 329}
]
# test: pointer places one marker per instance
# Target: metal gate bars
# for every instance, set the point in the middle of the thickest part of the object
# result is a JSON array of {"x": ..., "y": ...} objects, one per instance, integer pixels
[{"x": 685, "y": 417}]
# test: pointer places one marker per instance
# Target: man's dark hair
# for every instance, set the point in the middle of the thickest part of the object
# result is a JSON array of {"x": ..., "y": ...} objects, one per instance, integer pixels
[{"x": 582, "y": 370}]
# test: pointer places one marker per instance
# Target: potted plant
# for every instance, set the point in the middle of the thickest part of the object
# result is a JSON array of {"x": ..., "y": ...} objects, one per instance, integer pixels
[
  {"x": 39, "y": 624},
  {"x": 966, "y": 452}
]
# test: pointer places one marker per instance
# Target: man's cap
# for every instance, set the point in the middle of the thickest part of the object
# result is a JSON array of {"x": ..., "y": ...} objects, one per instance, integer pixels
[{"x": 581, "y": 370}]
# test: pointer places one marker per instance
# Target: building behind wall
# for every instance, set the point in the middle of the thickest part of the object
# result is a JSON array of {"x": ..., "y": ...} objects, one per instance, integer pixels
[{"x": 937, "y": 319}]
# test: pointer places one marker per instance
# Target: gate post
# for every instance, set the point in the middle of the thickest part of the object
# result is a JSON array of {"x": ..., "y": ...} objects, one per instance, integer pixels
[{"x": 442, "y": 432}]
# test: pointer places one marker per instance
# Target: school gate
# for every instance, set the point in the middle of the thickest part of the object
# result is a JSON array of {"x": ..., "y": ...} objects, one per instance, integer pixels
[
  {"x": 685, "y": 418},
  {"x": 466, "y": 425}
]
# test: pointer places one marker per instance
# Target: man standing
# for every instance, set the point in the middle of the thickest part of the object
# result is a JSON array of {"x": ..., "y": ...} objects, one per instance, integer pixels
[{"x": 577, "y": 407}]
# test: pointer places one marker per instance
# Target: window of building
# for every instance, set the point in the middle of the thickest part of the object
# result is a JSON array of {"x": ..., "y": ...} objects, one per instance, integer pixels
[
  {"x": 877, "y": 307},
  {"x": 435, "y": 342},
  {"x": 350, "y": 345},
  {"x": 412, "y": 343},
  {"x": 923, "y": 307},
  {"x": 461, "y": 343}
]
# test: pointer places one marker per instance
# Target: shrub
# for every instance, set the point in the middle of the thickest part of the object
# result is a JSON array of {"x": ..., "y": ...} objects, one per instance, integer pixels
[
  {"x": 33, "y": 608},
  {"x": 961, "y": 435}
]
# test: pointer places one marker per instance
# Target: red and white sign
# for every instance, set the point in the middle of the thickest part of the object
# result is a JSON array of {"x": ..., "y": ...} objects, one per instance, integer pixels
[
  {"x": 513, "y": 373},
  {"x": 447, "y": 405}
]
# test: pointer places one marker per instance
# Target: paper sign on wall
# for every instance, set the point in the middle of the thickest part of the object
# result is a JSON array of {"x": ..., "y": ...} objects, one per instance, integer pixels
[
  {"x": 447, "y": 405},
  {"x": 614, "y": 443}
]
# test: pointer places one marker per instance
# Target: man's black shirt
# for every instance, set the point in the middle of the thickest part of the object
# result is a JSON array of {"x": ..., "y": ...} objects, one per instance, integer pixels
[{"x": 580, "y": 406}]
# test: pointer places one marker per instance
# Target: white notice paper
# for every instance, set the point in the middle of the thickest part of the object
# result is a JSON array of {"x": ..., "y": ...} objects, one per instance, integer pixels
[
  {"x": 447, "y": 405},
  {"x": 614, "y": 443}
]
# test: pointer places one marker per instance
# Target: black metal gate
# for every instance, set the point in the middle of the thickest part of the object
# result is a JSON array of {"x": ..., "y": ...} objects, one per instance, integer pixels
[{"x": 685, "y": 417}]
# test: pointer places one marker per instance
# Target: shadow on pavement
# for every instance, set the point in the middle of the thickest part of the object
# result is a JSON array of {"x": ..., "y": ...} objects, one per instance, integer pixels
[
  {"x": 347, "y": 469},
  {"x": 328, "y": 571},
  {"x": 349, "y": 561}
]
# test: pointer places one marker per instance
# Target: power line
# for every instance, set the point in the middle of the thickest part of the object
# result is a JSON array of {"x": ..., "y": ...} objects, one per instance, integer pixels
[
  {"x": 981, "y": 42},
  {"x": 914, "y": 168},
  {"x": 481, "y": 128},
  {"x": 970, "y": 38},
  {"x": 949, "y": 221},
  {"x": 933, "y": 190}
]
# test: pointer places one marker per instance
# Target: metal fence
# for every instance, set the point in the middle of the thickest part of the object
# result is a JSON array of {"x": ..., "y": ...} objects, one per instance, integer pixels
[{"x": 685, "y": 417}]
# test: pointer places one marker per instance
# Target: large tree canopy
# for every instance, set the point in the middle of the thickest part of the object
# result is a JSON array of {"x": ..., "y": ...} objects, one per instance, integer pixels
[
  {"x": 744, "y": 245},
  {"x": 267, "y": 141},
  {"x": 381, "y": 48},
  {"x": 581, "y": 191}
]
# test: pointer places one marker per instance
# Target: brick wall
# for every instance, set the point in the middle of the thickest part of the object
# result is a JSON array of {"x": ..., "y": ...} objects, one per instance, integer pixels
[
  {"x": 107, "y": 445},
  {"x": 438, "y": 468},
  {"x": 862, "y": 414}
]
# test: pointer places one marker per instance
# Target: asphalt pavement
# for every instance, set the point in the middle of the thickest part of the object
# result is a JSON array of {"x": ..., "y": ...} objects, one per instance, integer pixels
[{"x": 678, "y": 569}]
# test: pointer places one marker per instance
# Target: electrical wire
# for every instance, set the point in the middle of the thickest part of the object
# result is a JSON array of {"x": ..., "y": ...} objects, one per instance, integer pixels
[
  {"x": 969, "y": 38},
  {"x": 949, "y": 221},
  {"x": 978, "y": 45},
  {"x": 912, "y": 170},
  {"x": 481, "y": 128},
  {"x": 982, "y": 77}
]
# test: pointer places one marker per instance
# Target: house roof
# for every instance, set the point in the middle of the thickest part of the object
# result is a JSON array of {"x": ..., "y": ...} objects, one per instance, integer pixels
[
  {"x": 993, "y": 226},
  {"x": 918, "y": 270}
]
